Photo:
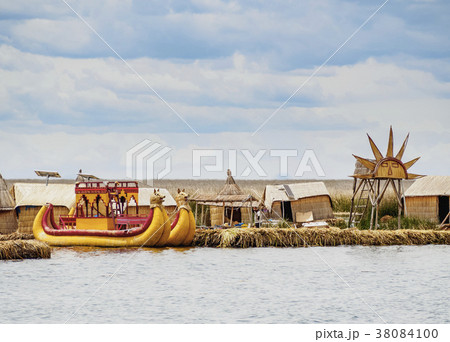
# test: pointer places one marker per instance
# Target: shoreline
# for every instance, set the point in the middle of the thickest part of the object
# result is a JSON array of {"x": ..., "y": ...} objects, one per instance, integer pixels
[
  {"x": 24, "y": 246},
  {"x": 315, "y": 237}
]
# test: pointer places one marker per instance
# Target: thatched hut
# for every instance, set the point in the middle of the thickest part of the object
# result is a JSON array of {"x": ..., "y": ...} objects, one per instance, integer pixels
[
  {"x": 8, "y": 220},
  {"x": 299, "y": 202},
  {"x": 428, "y": 198},
  {"x": 144, "y": 202},
  {"x": 30, "y": 197},
  {"x": 229, "y": 206}
]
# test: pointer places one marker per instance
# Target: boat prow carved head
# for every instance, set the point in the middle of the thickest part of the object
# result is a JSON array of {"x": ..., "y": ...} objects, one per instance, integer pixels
[
  {"x": 156, "y": 198},
  {"x": 181, "y": 198}
]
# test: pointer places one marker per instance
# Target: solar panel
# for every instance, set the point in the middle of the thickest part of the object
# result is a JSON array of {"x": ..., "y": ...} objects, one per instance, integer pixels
[
  {"x": 288, "y": 190},
  {"x": 48, "y": 174},
  {"x": 88, "y": 177}
]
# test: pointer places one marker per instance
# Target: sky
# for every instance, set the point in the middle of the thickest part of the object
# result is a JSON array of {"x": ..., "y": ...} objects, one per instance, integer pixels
[{"x": 82, "y": 83}]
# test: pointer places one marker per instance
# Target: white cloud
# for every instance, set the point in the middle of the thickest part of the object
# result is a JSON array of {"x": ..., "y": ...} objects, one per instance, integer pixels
[
  {"x": 47, "y": 36},
  {"x": 239, "y": 62}
]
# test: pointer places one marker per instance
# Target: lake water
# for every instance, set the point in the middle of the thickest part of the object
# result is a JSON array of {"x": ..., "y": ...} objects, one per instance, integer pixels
[{"x": 399, "y": 284}]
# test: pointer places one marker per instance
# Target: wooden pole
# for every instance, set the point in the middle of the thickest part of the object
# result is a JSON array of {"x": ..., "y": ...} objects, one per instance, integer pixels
[
  {"x": 196, "y": 211},
  {"x": 378, "y": 204},
  {"x": 201, "y": 217},
  {"x": 400, "y": 204},
  {"x": 443, "y": 222},
  {"x": 371, "y": 217},
  {"x": 373, "y": 201},
  {"x": 353, "y": 202},
  {"x": 223, "y": 213},
  {"x": 231, "y": 218}
]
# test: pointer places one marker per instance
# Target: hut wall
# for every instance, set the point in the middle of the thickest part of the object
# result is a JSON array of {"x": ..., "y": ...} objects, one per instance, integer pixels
[
  {"x": 216, "y": 215},
  {"x": 246, "y": 214},
  {"x": 319, "y": 205},
  {"x": 276, "y": 211},
  {"x": 424, "y": 207},
  {"x": 26, "y": 215},
  {"x": 206, "y": 221},
  {"x": 8, "y": 221}
]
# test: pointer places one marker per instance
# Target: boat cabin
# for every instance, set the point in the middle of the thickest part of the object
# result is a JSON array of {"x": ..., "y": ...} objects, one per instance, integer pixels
[{"x": 103, "y": 206}]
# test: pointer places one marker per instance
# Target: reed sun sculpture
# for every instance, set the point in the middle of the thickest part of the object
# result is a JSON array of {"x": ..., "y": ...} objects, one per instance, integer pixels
[{"x": 371, "y": 184}]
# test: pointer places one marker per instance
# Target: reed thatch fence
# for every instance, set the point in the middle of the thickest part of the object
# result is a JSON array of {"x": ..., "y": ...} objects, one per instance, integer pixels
[{"x": 304, "y": 237}]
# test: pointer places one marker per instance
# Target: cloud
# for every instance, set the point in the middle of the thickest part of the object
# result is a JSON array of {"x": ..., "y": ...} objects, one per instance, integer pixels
[
  {"x": 103, "y": 95},
  {"x": 225, "y": 67},
  {"x": 286, "y": 36}
]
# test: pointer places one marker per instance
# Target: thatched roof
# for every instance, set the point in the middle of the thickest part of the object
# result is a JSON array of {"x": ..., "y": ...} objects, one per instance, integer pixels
[
  {"x": 36, "y": 194},
  {"x": 230, "y": 194},
  {"x": 6, "y": 201},
  {"x": 430, "y": 186},
  {"x": 145, "y": 193},
  {"x": 227, "y": 200},
  {"x": 274, "y": 193},
  {"x": 230, "y": 188}
]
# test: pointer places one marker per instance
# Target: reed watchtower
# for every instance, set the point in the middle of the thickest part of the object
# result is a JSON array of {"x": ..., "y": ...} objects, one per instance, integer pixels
[{"x": 372, "y": 178}]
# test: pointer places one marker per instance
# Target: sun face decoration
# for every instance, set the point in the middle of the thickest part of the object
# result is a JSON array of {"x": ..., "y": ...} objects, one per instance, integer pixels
[{"x": 389, "y": 166}]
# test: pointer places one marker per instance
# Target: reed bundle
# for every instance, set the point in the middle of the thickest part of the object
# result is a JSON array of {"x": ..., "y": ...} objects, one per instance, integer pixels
[
  {"x": 24, "y": 249},
  {"x": 304, "y": 237},
  {"x": 16, "y": 236}
]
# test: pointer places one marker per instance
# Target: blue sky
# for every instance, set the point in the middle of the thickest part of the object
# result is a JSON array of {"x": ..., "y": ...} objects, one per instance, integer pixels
[{"x": 68, "y": 102}]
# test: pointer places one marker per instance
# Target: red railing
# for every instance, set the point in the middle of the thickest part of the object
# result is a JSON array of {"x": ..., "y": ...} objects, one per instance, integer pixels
[
  {"x": 121, "y": 222},
  {"x": 102, "y": 187},
  {"x": 67, "y": 222}
]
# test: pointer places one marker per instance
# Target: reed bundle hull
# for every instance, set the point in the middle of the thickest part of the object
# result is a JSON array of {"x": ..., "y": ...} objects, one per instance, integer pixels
[{"x": 147, "y": 235}]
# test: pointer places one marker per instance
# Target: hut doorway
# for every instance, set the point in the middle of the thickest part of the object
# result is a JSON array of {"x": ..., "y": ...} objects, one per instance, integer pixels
[
  {"x": 287, "y": 211},
  {"x": 236, "y": 214},
  {"x": 444, "y": 208}
]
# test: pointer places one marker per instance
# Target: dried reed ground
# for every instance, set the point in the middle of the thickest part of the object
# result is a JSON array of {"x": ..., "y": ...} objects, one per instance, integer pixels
[{"x": 303, "y": 237}]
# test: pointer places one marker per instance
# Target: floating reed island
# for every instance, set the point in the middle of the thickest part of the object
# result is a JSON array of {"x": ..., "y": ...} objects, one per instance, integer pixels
[
  {"x": 308, "y": 237},
  {"x": 22, "y": 246}
]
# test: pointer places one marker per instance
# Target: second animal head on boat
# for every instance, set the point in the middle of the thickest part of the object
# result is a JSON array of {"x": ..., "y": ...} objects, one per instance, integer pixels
[
  {"x": 156, "y": 199},
  {"x": 182, "y": 199}
]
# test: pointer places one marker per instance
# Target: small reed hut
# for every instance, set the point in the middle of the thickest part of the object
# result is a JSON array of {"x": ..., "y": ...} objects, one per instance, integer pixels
[
  {"x": 30, "y": 197},
  {"x": 299, "y": 202},
  {"x": 428, "y": 198},
  {"x": 230, "y": 205},
  {"x": 8, "y": 220},
  {"x": 144, "y": 202}
]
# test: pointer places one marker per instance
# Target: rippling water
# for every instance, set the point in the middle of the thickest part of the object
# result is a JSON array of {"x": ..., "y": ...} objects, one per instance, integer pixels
[{"x": 407, "y": 284}]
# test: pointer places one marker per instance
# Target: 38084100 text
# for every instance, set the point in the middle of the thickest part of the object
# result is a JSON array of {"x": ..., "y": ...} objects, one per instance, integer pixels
[{"x": 380, "y": 334}]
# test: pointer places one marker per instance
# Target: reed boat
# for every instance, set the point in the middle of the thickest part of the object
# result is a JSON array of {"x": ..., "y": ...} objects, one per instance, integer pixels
[
  {"x": 183, "y": 227},
  {"x": 100, "y": 218}
]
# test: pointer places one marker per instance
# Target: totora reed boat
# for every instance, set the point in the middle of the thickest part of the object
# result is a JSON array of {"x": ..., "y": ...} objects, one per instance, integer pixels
[{"x": 100, "y": 218}]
